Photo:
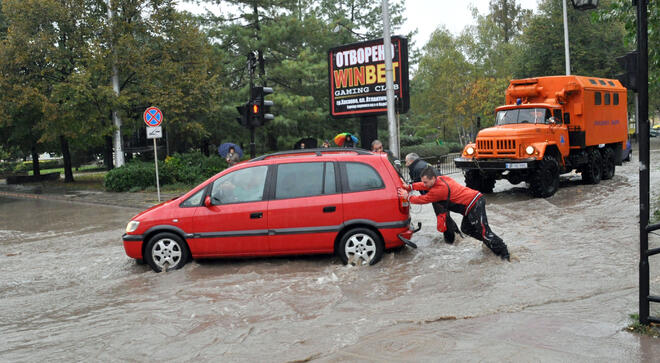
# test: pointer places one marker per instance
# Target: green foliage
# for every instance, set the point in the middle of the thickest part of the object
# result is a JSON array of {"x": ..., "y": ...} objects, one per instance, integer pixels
[
  {"x": 43, "y": 164},
  {"x": 639, "y": 328},
  {"x": 179, "y": 169},
  {"x": 191, "y": 168},
  {"x": 132, "y": 175},
  {"x": 409, "y": 140},
  {"x": 594, "y": 46},
  {"x": 426, "y": 150}
]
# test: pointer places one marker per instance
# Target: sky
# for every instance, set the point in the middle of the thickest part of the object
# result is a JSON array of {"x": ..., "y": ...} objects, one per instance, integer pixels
[{"x": 427, "y": 15}]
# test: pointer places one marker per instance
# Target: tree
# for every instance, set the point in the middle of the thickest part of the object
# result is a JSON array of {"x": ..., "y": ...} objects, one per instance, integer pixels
[
  {"x": 623, "y": 11},
  {"x": 441, "y": 80},
  {"x": 593, "y": 46},
  {"x": 290, "y": 60}
]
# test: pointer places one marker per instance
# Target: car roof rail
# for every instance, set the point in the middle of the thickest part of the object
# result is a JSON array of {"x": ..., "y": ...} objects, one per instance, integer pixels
[{"x": 317, "y": 151}]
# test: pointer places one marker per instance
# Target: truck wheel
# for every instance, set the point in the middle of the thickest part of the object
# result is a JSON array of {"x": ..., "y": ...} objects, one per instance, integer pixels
[
  {"x": 592, "y": 171},
  {"x": 545, "y": 180},
  {"x": 608, "y": 163},
  {"x": 477, "y": 181}
]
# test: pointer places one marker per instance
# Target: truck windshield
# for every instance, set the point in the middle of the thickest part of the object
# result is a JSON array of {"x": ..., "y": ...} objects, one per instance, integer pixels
[{"x": 523, "y": 115}]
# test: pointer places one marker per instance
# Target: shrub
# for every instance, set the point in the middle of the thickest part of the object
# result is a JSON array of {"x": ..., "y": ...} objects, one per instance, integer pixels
[
  {"x": 180, "y": 169},
  {"x": 408, "y": 140},
  {"x": 426, "y": 150},
  {"x": 43, "y": 165},
  {"x": 132, "y": 175}
]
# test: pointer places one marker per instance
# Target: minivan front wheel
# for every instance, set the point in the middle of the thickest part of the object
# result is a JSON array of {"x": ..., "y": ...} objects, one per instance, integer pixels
[
  {"x": 360, "y": 246},
  {"x": 166, "y": 251}
]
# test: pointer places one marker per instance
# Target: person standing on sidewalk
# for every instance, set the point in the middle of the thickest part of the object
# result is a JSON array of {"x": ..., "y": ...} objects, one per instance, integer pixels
[{"x": 469, "y": 202}]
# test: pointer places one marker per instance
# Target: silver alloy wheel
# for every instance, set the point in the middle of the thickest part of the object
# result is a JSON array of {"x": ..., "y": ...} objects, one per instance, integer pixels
[
  {"x": 166, "y": 253},
  {"x": 360, "y": 249}
]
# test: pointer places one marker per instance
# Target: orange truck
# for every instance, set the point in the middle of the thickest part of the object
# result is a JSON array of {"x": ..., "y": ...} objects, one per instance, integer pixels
[{"x": 550, "y": 126}]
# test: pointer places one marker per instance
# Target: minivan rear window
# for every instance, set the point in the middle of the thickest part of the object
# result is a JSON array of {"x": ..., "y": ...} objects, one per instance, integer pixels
[{"x": 361, "y": 177}]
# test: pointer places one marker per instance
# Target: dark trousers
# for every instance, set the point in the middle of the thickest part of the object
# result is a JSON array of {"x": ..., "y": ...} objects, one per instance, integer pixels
[{"x": 475, "y": 225}]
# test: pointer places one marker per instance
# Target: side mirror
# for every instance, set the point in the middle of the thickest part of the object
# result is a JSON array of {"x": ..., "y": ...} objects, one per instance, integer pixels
[{"x": 207, "y": 201}]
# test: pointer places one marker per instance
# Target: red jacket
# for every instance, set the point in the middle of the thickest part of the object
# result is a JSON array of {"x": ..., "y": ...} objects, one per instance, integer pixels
[{"x": 461, "y": 198}]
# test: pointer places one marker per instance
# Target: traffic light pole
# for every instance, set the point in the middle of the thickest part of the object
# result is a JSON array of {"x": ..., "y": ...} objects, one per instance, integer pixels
[{"x": 251, "y": 66}]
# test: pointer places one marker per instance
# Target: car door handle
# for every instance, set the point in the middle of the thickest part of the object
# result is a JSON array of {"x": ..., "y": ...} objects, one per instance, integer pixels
[
  {"x": 256, "y": 215},
  {"x": 329, "y": 209}
]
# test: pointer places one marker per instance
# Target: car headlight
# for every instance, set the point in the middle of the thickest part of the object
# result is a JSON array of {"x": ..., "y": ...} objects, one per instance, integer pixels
[
  {"x": 132, "y": 226},
  {"x": 469, "y": 150},
  {"x": 529, "y": 150}
]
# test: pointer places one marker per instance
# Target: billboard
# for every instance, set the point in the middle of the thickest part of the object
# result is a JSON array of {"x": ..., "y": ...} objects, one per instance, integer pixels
[{"x": 357, "y": 78}]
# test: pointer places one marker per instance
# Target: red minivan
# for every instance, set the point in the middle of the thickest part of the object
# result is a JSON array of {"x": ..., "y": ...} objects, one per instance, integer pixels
[{"x": 312, "y": 201}]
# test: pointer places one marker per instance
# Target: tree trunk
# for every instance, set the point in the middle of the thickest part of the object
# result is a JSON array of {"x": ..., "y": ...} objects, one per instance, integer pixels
[
  {"x": 68, "y": 173},
  {"x": 35, "y": 161},
  {"x": 107, "y": 154}
]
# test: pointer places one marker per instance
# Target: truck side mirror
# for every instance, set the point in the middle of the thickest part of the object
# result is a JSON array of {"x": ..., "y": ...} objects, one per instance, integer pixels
[{"x": 567, "y": 118}]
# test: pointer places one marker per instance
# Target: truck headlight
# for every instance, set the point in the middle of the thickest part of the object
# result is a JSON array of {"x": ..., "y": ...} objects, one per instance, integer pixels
[
  {"x": 529, "y": 150},
  {"x": 132, "y": 226},
  {"x": 469, "y": 150}
]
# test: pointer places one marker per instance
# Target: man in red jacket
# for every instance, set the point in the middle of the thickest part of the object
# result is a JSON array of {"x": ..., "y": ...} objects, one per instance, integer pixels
[{"x": 457, "y": 198}]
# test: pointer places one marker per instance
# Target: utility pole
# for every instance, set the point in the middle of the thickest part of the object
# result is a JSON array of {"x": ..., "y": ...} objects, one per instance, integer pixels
[
  {"x": 389, "y": 83},
  {"x": 119, "y": 151},
  {"x": 568, "y": 57}
]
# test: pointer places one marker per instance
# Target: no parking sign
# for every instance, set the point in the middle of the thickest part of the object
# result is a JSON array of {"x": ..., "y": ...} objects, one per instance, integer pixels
[{"x": 153, "y": 117}]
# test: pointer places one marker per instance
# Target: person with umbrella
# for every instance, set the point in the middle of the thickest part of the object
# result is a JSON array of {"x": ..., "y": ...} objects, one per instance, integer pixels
[
  {"x": 231, "y": 152},
  {"x": 345, "y": 139}
]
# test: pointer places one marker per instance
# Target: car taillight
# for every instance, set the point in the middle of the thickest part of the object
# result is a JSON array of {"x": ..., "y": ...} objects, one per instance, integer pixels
[{"x": 404, "y": 205}]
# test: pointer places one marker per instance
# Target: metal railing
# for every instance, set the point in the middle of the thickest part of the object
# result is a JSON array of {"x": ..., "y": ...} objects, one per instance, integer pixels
[{"x": 444, "y": 164}]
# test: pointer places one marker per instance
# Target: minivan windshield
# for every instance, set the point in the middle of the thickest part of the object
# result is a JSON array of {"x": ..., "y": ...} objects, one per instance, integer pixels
[{"x": 523, "y": 115}]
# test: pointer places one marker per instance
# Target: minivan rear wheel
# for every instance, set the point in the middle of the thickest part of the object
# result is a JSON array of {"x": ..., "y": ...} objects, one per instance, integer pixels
[
  {"x": 360, "y": 246},
  {"x": 166, "y": 251}
]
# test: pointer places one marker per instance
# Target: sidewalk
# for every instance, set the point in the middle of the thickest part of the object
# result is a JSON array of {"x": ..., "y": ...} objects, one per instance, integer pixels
[{"x": 138, "y": 200}]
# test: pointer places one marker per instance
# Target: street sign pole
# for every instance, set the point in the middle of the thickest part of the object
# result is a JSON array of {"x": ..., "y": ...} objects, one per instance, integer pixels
[{"x": 156, "y": 162}]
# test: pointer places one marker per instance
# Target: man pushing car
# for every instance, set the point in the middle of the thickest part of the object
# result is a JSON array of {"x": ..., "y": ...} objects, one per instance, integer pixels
[{"x": 468, "y": 202}]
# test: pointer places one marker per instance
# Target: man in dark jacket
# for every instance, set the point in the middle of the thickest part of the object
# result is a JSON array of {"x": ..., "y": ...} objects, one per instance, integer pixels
[
  {"x": 415, "y": 167},
  {"x": 460, "y": 199}
]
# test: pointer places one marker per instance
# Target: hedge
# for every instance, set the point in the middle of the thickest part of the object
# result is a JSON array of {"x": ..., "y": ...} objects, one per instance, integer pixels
[
  {"x": 188, "y": 169},
  {"x": 43, "y": 165}
]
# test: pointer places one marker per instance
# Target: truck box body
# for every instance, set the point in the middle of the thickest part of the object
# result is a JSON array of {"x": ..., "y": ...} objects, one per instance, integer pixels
[{"x": 579, "y": 123}]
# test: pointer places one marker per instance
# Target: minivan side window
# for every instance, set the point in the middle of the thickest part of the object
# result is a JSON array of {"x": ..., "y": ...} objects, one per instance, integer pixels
[
  {"x": 362, "y": 177},
  {"x": 243, "y": 185},
  {"x": 195, "y": 200},
  {"x": 297, "y": 180}
]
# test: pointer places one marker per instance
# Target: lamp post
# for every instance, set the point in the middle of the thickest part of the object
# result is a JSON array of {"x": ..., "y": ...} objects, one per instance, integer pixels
[{"x": 579, "y": 5}]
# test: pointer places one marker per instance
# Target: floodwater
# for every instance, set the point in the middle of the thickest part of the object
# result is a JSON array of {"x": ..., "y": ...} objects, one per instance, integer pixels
[{"x": 69, "y": 293}]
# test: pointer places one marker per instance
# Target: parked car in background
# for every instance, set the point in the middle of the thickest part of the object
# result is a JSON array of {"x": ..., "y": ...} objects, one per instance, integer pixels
[
  {"x": 655, "y": 131},
  {"x": 310, "y": 201},
  {"x": 627, "y": 152}
]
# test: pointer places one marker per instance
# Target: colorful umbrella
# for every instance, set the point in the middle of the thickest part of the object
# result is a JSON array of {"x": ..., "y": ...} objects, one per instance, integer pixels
[
  {"x": 341, "y": 139},
  {"x": 223, "y": 149}
]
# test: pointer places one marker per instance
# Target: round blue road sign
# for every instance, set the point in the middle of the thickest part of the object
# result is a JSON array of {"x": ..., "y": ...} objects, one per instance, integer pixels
[{"x": 153, "y": 117}]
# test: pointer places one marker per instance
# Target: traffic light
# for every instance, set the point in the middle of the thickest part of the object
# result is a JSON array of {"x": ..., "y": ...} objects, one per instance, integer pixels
[
  {"x": 243, "y": 112},
  {"x": 255, "y": 113},
  {"x": 260, "y": 105},
  {"x": 629, "y": 64}
]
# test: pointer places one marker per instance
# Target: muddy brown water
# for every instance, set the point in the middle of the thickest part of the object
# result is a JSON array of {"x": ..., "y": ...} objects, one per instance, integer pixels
[{"x": 69, "y": 293}]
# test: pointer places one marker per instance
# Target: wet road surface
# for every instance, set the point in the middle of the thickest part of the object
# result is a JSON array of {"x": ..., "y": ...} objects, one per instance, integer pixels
[{"x": 68, "y": 292}]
